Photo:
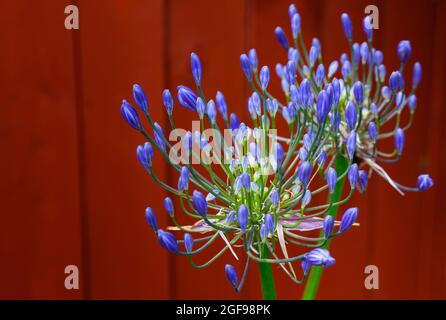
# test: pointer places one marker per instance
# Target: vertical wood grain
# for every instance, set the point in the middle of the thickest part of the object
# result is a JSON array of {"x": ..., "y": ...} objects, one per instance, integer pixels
[
  {"x": 38, "y": 136},
  {"x": 121, "y": 44}
]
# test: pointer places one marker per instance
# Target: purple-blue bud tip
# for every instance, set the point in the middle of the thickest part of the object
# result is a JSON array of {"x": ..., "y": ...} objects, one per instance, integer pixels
[
  {"x": 140, "y": 98},
  {"x": 196, "y": 68},
  {"x": 424, "y": 182},
  {"x": 151, "y": 219},
  {"x": 130, "y": 115},
  {"x": 348, "y": 219},
  {"x": 168, "y": 241},
  {"x": 242, "y": 217},
  {"x": 168, "y": 206},
  {"x": 328, "y": 226},
  {"x": 188, "y": 242},
  {"x": 231, "y": 274},
  {"x": 199, "y": 203}
]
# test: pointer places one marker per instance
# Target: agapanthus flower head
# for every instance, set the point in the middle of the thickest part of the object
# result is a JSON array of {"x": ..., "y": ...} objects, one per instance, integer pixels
[{"x": 263, "y": 188}]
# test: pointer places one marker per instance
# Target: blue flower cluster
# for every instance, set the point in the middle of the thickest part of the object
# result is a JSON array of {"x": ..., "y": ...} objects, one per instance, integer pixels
[{"x": 261, "y": 199}]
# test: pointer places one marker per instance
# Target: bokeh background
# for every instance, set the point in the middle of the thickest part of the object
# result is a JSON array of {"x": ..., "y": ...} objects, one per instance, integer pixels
[{"x": 72, "y": 191}]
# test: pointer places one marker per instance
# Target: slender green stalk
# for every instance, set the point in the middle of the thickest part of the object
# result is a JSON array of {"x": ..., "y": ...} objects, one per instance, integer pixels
[
  {"x": 315, "y": 275},
  {"x": 266, "y": 276}
]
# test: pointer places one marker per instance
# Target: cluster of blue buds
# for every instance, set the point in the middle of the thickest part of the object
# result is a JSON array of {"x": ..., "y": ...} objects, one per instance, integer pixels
[{"x": 261, "y": 198}]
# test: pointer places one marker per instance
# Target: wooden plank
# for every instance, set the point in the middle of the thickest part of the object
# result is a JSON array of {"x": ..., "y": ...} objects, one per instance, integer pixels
[
  {"x": 215, "y": 33},
  {"x": 432, "y": 257},
  {"x": 399, "y": 219},
  {"x": 40, "y": 184},
  {"x": 121, "y": 43}
]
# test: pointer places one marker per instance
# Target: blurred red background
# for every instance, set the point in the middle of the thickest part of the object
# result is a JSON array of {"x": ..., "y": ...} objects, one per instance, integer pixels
[{"x": 72, "y": 191}]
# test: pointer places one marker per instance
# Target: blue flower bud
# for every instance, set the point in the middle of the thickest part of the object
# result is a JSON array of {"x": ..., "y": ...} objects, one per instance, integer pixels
[
  {"x": 348, "y": 219},
  {"x": 399, "y": 140},
  {"x": 395, "y": 81},
  {"x": 145, "y": 155},
  {"x": 358, "y": 92},
  {"x": 293, "y": 55},
  {"x": 230, "y": 218},
  {"x": 367, "y": 27},
  {"x": 295, "y": 25},
  {"x": 416, "y": 75},
  {"x": 322, "y": 107},
  {"x": 347, "y": 26},
  {"x": 168, "y": 205},
  {"x": 336, "y": 91},
  {"x": 233, "y": 121},
  {"x": 182, "y": 184},
  {"x": 187, "y": 141},
  {"x": 332, "y": 68},
  {"x": 159, "y": 135},
  {"x": 263, "y": 231},
  {"x": 275, "y": 196},
  {"x": 345, "y": 70},
  {"x": 356, "y": 54},
  {"x": 424, "y": 182},
  {"x": 374, "y": 109},
  {"x": 364, "y": 51},
  {"x": 252, "y": 55},
  {"x": 322, "y": 158},
  {"x": 363, "y": 181},
  {"x": 303, "y": 154},
  {"x": 196, "y": 68},
  {"x": 272, "y": 105},
  {"x": 304, "y": 172},
  {"x": 199, "y": 203},
  {"x": 332, "y": 178},
  {"x": 269, "y": 222},
  {"x": 140, "y": 98},
  {"x": 292, "y": 10},
  {"x": 335, "y": 121},
  {"x": 351, "y": 115},
  {"x": 168, "y": 241},
  {"x": 281, "y": 37},
  {"x": 353, "y": 175},
  {"x": 404, "y": 50},
  {"x": 320, "y": 257},
  {"x": 264, "y": 77},
  {"x": 291, "y": 72},
  {"x": 373, "y": 132},
  {"x": 212, "y": 111},
  {"x": 320, "y": 74},
  {"x": 200, "y": 107},
  {"x": 386, "y": 93},
  {"x": 151, "y": 219},
  {"x": 186, "y": 97},
  {"x": 343, "y": 58},
  {"x": 382, "y": 73},
  {"x": 378, "y": 57},
  {"x": 328, "y": 226},
  {"x": 246, "y": 181},
  {"x": 412, "y": 102},
  {"x": 221, "y": 105},
  {"x": 188, "y": 242},
  {"x": 306, "y": 266},
  {"x": 246, "y": 66},
  {"x": 242, "y": 217},
  {"x": 231, "y": 274},
  {"x": 168, "y": 101},
  {"x": 306, "y": 198},
  {"x": 278, "y": 153},
  {"x": 313, "y": 55},
  {"x": 130, "y": 116},
  {"x": 351, "y": 144}
]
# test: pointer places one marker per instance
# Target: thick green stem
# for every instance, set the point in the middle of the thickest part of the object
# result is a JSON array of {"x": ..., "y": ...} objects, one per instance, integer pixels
[
  {"x": 266, "y": 276},
  {"x": 315, "y": 275}
]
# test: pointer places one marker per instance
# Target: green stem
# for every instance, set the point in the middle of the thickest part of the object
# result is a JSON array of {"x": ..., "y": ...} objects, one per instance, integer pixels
[
  {"x": 266, "y": 276},
  {"x": 315, "y": 275}
]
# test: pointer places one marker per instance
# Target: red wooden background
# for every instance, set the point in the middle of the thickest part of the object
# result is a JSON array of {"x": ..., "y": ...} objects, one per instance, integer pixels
[{"x": 72, "y": 191}]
